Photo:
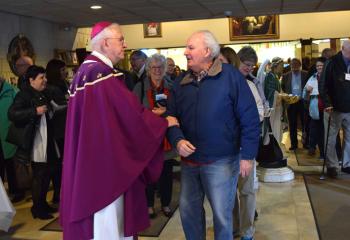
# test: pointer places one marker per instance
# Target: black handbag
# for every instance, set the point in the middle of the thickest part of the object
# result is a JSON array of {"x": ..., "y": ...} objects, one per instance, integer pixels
[
  {"x": 22, "y": 156},
  {"x": 21, "y": 136},
  {"x": 23, "y": 169}
]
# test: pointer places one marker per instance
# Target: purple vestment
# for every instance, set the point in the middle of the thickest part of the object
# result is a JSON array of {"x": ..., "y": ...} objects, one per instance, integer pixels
[{"x": 113, "y": 146}]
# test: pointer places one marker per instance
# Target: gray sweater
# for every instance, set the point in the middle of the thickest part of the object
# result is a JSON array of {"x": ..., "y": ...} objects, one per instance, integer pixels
[{"x": 138, "y": 92}]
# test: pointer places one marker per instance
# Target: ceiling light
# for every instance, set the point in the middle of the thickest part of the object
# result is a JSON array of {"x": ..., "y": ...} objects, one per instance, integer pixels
[{"x": 95, "y": 7}]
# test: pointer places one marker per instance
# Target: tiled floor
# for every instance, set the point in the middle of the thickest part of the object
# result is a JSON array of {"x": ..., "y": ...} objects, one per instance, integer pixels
[{"x": 284, "y": 213}]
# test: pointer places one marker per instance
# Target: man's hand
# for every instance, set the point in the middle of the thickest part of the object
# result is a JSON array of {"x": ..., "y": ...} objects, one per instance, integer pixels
[
  {"x": 309, "y": 88},
  {"x": 185, "y": 148},
  {"x": 329, "y": 109},
  {"x": 172, "y": 121},
  {"x": 159, "y": 110},
  {"x": 245, "y": 166},
  {"x": 41, "y": 110}
]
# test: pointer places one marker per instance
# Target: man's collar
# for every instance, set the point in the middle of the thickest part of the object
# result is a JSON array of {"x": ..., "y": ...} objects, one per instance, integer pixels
[
  {"x": 103, "y": 58},
  {"x": 346, "y": 60},
  {"x": 214, "y": 70},
  {"x": 140, "y": 72}
]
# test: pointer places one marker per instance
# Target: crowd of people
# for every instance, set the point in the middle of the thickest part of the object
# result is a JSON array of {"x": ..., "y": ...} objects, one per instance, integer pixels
[
  {"x": 34, "y": 125},
  {"x": 108, "y": 141}
]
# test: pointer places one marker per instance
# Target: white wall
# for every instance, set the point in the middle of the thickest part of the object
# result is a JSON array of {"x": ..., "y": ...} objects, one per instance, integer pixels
[{"x": 292, "y": 27}]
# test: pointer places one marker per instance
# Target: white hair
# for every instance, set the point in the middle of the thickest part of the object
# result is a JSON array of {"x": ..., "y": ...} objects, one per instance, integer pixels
[
  {"x": 211, "y": 42},
  {"x": 105, "y": 33},
  {"x": 346, "y": 44},
  {"x": 158, "y": 58}
]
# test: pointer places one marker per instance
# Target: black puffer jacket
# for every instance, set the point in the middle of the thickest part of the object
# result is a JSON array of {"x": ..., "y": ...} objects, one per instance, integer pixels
[
  {"x": 23, "y": 109},
  {"x": 23, "y": 112},
  {"x": 334, "y": 89}
]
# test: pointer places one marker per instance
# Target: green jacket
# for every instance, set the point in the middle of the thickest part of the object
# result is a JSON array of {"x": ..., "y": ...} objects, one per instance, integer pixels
[
  {"x": 7, "y": 94},
  {"x": 271, "y": 84}
]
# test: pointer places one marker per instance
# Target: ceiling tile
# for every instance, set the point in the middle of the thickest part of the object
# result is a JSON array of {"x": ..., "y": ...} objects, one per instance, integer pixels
[{"x": 78, "y": 12}]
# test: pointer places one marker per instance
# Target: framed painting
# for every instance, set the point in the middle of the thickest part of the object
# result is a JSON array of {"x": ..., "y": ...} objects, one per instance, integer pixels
[
  {"x": 152, "y": 30},
  {"x": 254, "y": 27}
]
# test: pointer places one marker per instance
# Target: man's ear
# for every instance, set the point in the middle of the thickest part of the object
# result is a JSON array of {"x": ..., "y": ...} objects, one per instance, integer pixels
[
  {"x": 207, "y": 52},
  {"x": 105, "y": 43}
]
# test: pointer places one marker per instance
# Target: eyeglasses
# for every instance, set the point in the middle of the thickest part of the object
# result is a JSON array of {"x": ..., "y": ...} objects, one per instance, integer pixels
[
  {"x": 248, "y": 65},
  {"x": 156, "y": 68},
  {"x": 121, "y": 39}
]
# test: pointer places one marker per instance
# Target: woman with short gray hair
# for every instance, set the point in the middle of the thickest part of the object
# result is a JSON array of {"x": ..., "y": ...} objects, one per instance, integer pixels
[
  {"x": 158, "y": 59},
  {"x": 211, "y": 43},
  {"x": 153, "y": 93}
]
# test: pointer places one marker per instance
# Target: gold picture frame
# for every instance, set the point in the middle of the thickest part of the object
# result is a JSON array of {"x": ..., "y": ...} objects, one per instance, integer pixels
[
  {"x": 254, "y": 27},
  {"x": 152, "y": 30}
]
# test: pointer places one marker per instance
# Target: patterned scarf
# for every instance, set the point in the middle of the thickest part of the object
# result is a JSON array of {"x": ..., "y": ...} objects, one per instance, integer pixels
[{"x": 151, "y": 97}]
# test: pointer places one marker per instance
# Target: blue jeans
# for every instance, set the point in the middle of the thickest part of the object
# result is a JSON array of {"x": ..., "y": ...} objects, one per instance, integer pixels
[{"x": 217, "y": 181}]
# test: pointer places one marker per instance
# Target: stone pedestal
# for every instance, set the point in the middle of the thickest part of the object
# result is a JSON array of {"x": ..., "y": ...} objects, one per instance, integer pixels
[{"x": 283, "y": 174}]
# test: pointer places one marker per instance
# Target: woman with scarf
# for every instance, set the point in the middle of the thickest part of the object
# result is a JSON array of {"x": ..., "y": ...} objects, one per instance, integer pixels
[
  {"x": 153, "y": 93},
  {"x": 316, "y": 107}
]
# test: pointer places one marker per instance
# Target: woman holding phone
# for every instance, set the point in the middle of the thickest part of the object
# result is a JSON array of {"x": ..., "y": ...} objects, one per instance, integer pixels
[{"x": 153, "y": 93}]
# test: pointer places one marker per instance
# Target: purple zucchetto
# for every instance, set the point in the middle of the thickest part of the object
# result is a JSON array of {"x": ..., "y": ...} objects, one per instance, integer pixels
[{"x": 99, "y": 27}]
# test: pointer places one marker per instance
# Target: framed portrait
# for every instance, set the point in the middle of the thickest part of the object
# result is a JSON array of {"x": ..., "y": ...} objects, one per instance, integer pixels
[
  {"x": 19, "y": 47},
  {"x": 152, "y": 30},
  {"x": 254, "y": 27}
]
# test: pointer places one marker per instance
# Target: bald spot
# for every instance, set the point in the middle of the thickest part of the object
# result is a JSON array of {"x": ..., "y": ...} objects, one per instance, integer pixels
[
  {"x": 24, "y": 60},
  {"x": 22, "y": 64}
]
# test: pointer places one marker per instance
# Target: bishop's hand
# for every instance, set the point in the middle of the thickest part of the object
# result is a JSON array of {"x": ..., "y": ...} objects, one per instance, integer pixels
[{"x": 172, "y": 121}]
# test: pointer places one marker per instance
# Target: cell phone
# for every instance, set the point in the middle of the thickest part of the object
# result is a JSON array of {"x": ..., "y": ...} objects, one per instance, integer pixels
[{"x": 161, "y": 99}]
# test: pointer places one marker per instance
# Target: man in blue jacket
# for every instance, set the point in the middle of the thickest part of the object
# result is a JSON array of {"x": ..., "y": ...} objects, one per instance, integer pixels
[{"x": 219, "y": 125}]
